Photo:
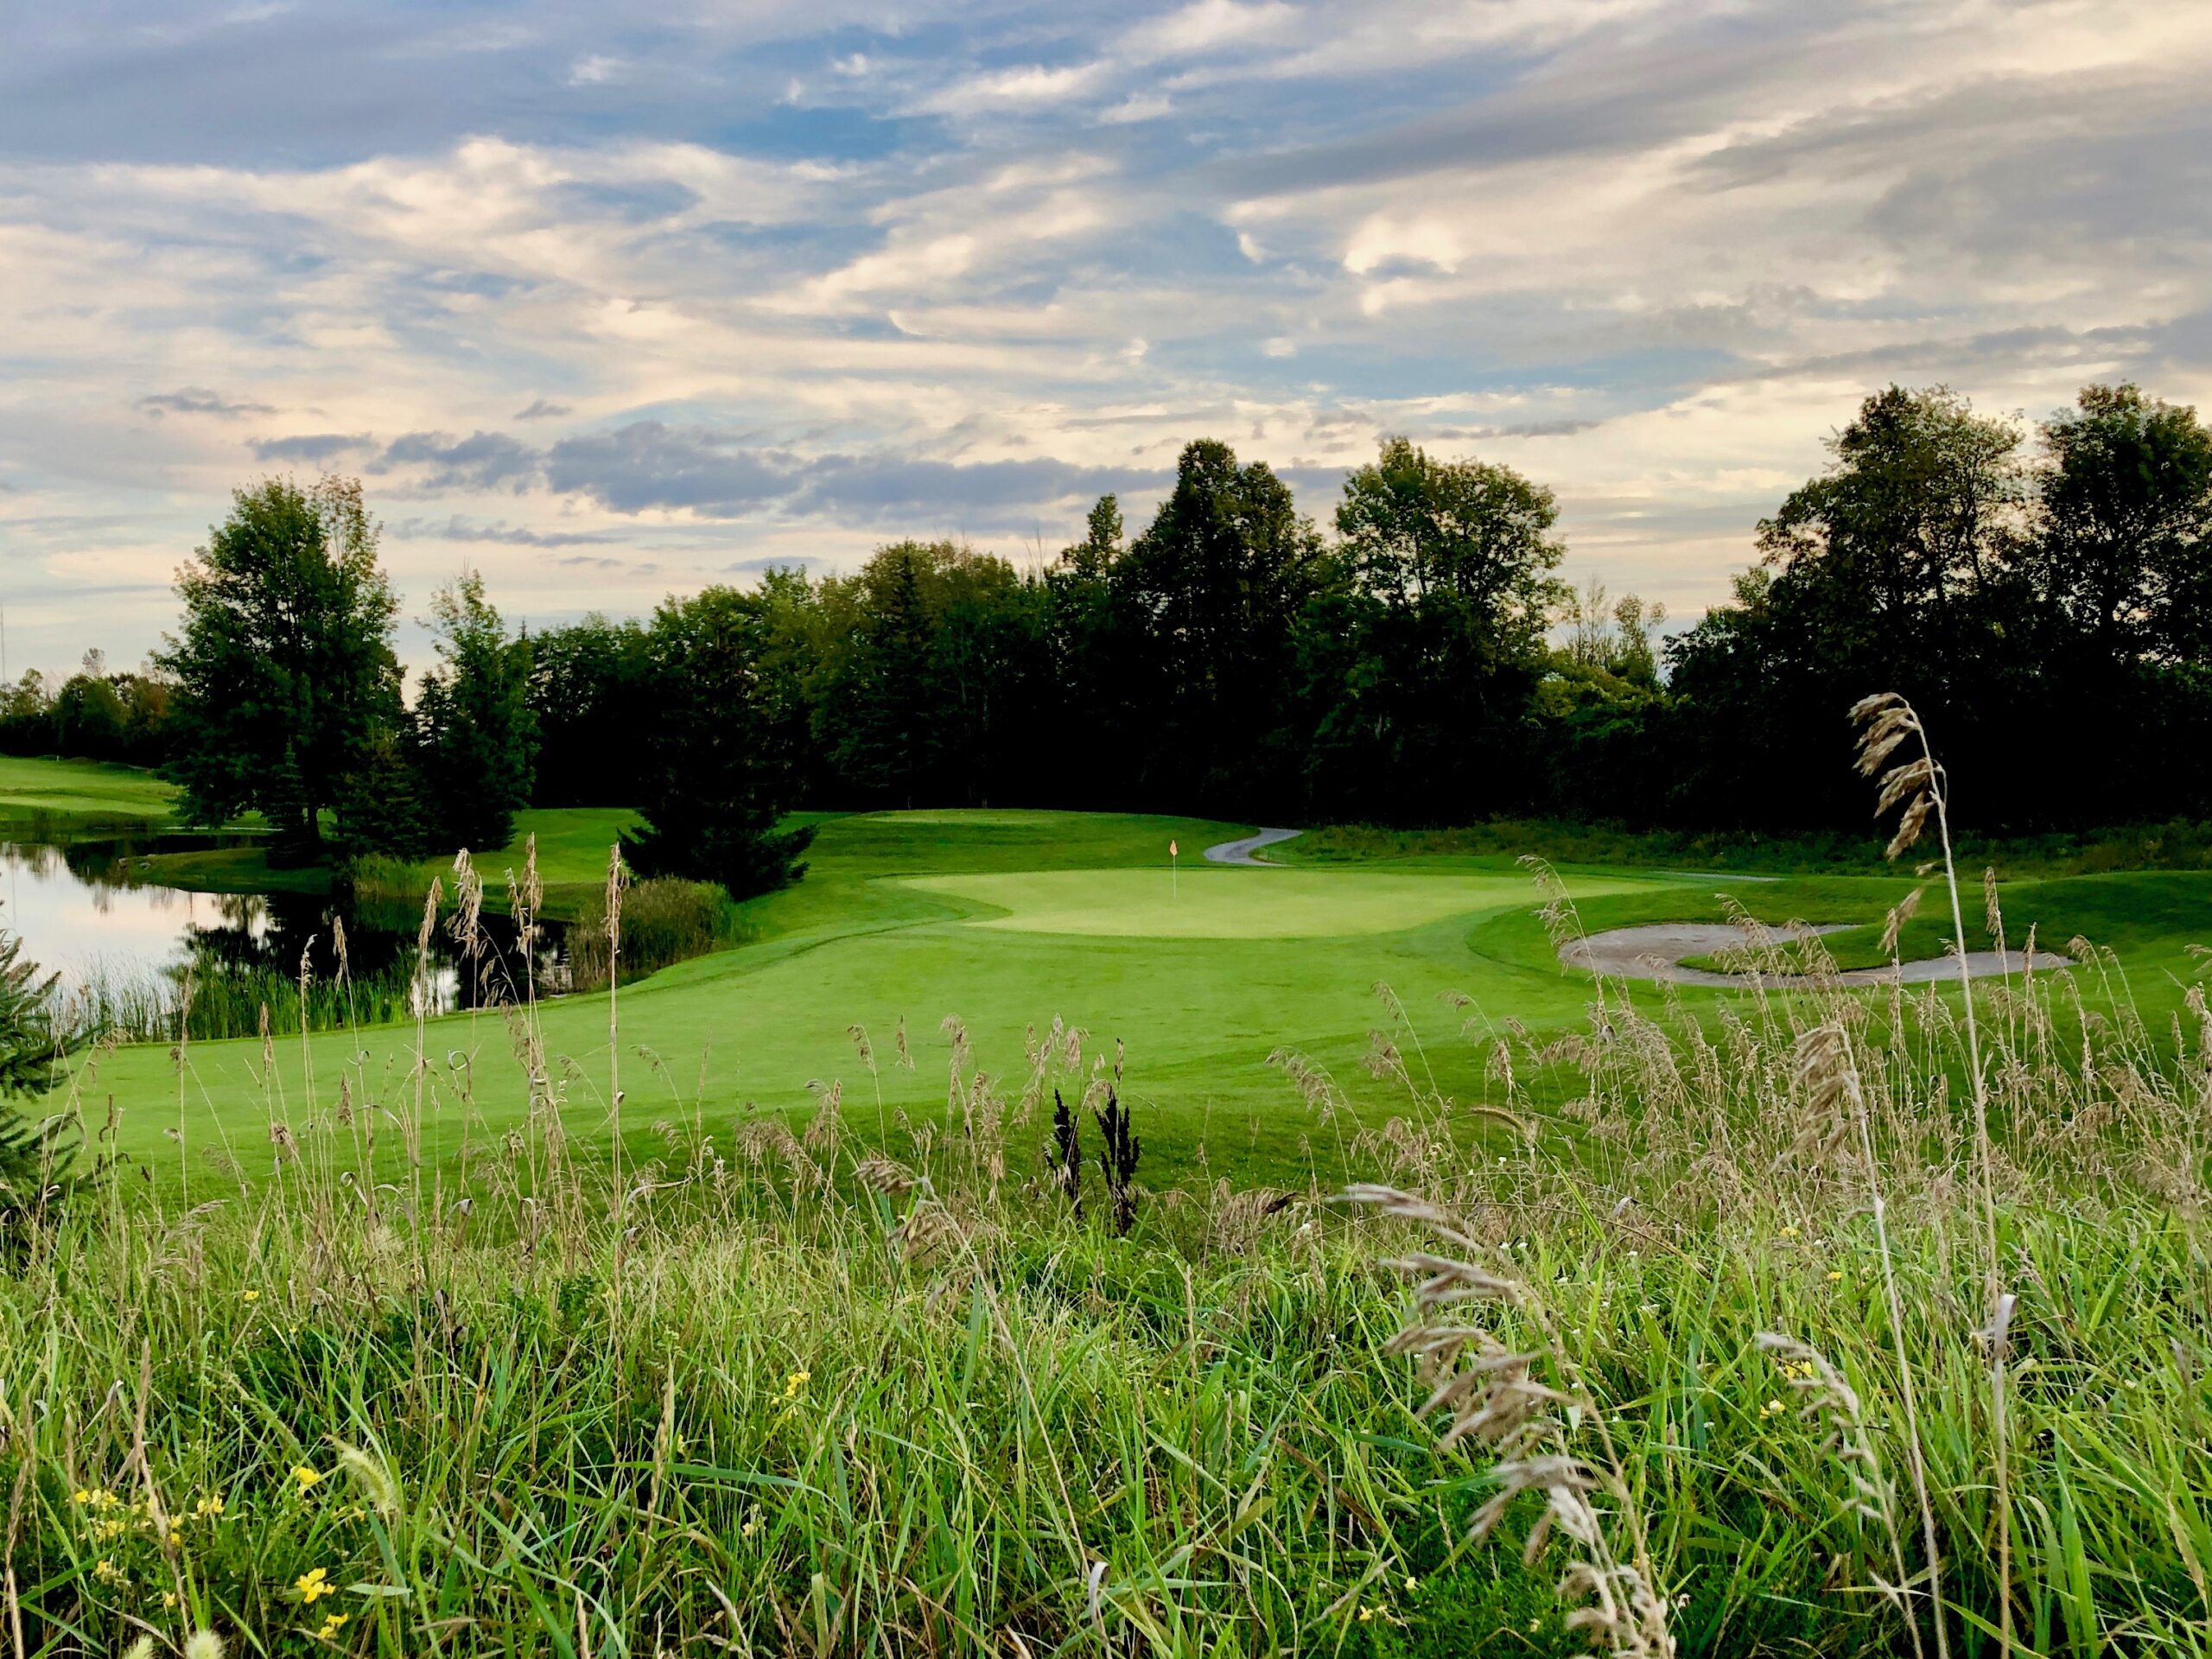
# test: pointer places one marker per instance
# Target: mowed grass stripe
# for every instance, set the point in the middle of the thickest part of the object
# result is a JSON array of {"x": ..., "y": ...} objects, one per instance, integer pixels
[{"x": 1227, "y": 904}]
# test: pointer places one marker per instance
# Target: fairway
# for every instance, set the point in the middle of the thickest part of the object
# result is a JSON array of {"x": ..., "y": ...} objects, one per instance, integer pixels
[
  {"x": 1239, "y": 904},
  {"x": 80, "y": 794},
  {"x": 1003, "y": 922}
]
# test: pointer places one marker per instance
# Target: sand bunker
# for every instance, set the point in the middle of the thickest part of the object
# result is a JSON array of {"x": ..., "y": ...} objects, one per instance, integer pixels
[{"x": 1656, "y": 952}]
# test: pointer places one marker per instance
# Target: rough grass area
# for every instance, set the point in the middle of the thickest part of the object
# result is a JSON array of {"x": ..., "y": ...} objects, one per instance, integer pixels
[{"x": 1707, "y": 1283}]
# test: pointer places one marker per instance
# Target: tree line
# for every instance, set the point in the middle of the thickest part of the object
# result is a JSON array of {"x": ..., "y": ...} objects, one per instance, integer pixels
[{"x": 2045, "y": 598}]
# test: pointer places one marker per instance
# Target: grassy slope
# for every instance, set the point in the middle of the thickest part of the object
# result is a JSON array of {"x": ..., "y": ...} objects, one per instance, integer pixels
[
  {"x": 920, "y": 916},
  {"x": 572, "y": 845},
  {"x": 45, "y": 796}
]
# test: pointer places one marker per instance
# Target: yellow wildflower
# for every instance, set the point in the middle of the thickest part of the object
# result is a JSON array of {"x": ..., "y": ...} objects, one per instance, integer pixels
[
  {"x": 306, "y": 1476},
  {"x": 1789, "y": 1232},
  {"x": 169, "y": 1598},
  {"x": 251, "y": 1296},
  {"x": 313, "y": 1586},
  {"x": 108, "y": 1572},
  {"x": 1772, "y": 1408},
  {"x": 795, "y": 1381},
  {"x": 207, "y": 1508},
  {"x": 1835, "y": 1276},
  {"x": 332, "y": 1624}
]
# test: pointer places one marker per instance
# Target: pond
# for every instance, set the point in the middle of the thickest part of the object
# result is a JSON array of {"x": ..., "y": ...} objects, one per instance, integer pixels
[{"x": 135, "y": 956}]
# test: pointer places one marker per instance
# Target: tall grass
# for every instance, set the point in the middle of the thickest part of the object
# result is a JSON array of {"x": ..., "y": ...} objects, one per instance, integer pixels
[
  {"x": 1711, "y": 1292},
  {"x": 147, "y": 1005},
  {"x": 663, "y": 920}
]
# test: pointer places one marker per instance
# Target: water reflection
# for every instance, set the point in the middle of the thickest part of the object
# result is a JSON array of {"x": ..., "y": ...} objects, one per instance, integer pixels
[{"x": 124, "y": 944}]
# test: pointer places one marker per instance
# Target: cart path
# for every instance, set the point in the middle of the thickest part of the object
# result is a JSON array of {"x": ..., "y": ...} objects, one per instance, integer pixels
[
  {"x": 1240, "y": 852},
  {"x": 1656, "y": 952}
]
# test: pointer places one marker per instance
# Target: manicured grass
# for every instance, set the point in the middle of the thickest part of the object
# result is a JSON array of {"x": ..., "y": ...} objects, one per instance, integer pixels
[
  {"x": 45, "y": 797},
  {"x": 572, "y": 850},
  {"x": 1215, "y": 903},
  {"x": 1008, "y": 921}
]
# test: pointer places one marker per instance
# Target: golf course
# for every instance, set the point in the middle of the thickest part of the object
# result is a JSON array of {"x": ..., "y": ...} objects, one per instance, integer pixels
[
  {"x": 1006, "y": 922},
  {"x": 970, "y": 1250}
]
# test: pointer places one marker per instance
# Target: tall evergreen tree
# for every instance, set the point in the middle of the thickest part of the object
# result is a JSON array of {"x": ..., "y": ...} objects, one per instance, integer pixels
[
  {"x": 30, "y": 1044},
  {"x": 475, "y": 731},
  {"x": 716, "y": 791}
]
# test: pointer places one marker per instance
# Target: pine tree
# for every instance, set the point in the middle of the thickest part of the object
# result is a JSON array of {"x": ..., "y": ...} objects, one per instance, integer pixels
[
  {"x": 30, "y": 1046},
  {"x": 477, "y": 736},
  {"x": 716, "y": 791},
  {"x": 379, "y": 809}
]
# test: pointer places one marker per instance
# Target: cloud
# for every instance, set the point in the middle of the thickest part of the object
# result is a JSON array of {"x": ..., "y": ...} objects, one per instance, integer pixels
[
  {"x": 877, "y": 486},
  {"x": 600, "y": 562},
  {"x": 199, "y": 400},
  {"x": 648, "y": 465},
  {"x": 990, "y": 262},
  {"x": 1208, "y": 25},
  {"x": 1033, "y": 83},
  {"x": 482, "y": 461},
  {"x": 458, "y": 529},
  {"x": 1137, "y": 106},
  {"x": 772, "y": 562},
  {"x": 316, "y": 449}
]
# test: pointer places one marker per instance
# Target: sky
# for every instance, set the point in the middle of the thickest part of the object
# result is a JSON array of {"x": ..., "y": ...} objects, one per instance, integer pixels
[{"x": 611, "y": 301}]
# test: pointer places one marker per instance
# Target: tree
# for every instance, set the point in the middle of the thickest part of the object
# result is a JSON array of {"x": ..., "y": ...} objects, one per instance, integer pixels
[
  {"x": 1615, "y": 638},
  {"x": 591, "y": 694},
  {"x": 1208, "y": 593},
  {"x": 284, "y": 665},
  {"x": 1479, "y": 533},
  {"x": 475, "y": 733},
  {"x": 30, "y": 1044},
  {"x": 716, "y": 794},
  {"x": 2125, "y": 508},
  {"x": 88, "y": 714},
  {"x": 1902, "y": 544},
  {"x": 380, "y": 807},
  {"x": 879, "y": 717}
]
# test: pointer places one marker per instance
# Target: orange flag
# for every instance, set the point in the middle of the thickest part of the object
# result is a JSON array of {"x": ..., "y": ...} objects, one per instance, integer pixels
[{"x": 1172, "y": 852}]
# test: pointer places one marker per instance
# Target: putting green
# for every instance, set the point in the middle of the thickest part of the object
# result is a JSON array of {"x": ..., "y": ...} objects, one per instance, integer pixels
[{"x": 1232, "y": 904}]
